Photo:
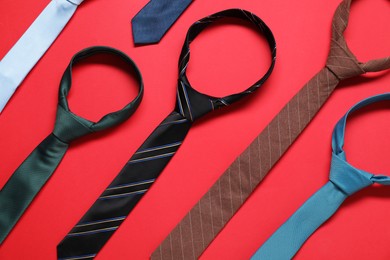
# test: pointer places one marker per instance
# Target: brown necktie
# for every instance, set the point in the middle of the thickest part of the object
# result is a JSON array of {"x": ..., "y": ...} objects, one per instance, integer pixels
[{"x": 206, "y": 219}]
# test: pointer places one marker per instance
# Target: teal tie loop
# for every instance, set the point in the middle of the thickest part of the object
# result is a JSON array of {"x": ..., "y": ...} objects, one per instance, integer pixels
[
  {"x": 25, "y": 183},
  {"x": 339, "y": 130},
  {"x": 344, "y": 181},
  {"x": 342, "y": 174},
  {"x": 381, "y": 179}
]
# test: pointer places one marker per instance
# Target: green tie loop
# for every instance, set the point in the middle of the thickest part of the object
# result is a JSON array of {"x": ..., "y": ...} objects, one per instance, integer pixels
[
  {"x": 70, "y": 126},
  {"x": 25, "y": 183}
]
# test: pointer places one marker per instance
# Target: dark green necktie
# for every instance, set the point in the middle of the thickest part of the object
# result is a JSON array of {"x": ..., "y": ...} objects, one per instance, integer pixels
[{"x": 30, "y": 177}]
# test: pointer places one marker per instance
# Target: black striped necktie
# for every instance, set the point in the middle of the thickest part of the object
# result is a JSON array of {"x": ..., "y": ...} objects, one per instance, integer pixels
[{"x": 105, "y": 216}]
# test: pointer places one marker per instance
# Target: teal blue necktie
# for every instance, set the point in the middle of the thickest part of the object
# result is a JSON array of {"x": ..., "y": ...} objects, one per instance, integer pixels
[{"x": 344, "y": 181}]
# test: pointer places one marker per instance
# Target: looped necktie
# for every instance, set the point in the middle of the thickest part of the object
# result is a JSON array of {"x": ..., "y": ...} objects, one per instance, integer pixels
[
  {"x": 341, "y": 62},
  {"x": 344, "y": 181},
  {"x": 108, "y": 212},
  {"x": 32, "y": 174}
]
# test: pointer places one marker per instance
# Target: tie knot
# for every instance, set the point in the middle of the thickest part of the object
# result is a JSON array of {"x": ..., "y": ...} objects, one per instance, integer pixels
[
  {"x": 192, "y": 105},
  {"x": 348, "y": 178},
  {"x": 341, "y": 61},
  {"x": 69, "y": 127}
]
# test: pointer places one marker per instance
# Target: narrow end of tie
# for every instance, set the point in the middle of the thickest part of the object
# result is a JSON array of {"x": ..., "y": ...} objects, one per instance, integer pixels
[{"x": 143, "y": 35}]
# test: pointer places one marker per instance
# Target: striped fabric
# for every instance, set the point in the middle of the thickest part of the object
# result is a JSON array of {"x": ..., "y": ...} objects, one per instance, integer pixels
[{"x": 109, "y": 211}]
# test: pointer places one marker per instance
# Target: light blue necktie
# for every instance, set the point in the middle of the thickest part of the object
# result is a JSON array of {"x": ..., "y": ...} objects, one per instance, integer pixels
[
  {"x": 344, "y": 181},
  {"x": 23, "y": 56}
]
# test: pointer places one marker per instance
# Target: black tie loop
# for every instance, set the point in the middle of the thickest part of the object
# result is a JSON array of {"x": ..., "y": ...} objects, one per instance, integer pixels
[
  {"x": 70, "y": 126},
  {"x": 191, "y": 103}
]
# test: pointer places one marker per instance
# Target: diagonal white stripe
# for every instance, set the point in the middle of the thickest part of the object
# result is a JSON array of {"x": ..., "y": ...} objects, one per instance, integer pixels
[{"x": 121, "y": 194}]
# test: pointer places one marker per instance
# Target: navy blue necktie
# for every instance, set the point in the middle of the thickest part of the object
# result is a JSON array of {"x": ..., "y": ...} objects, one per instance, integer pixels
[
  {"x": 105, "y": 216},
  {"x": 344, "y": 181},
  {"x": 155, "y": 19}
]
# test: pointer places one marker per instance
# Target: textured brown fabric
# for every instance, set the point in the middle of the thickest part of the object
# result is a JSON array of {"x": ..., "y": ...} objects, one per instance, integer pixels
[{"x": 206, "y": 219}]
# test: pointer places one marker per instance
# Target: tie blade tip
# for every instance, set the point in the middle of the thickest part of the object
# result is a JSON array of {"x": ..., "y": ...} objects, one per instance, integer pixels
[
  {"x": 143, "y": 35},
  {"x": 143, "y": 42},
  {"x": 145, "y": 39}
]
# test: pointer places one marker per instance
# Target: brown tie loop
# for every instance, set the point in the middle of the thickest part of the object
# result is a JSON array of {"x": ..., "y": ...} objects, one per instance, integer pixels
[
  {"x": 377, "y": 65},
  {"x": 341, "y": 61}
]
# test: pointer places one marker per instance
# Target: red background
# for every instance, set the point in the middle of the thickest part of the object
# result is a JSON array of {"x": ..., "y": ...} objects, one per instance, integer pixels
[{"x": 225, "y": 59}]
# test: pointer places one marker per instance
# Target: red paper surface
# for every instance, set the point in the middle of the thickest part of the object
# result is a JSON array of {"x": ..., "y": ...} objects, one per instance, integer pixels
[{"x": 224, "y": 59}]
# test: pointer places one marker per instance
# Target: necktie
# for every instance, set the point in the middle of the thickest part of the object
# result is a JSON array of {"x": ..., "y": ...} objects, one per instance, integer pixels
[
  {"x": 18, "y": 62},
  {"x": 209, "y": 215},
  {"x": 32, "y": 174},
  {"x": 155, "y": 19},
  {"x": 344, "y": 181},
  {"x": 116, "y": 202}
]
